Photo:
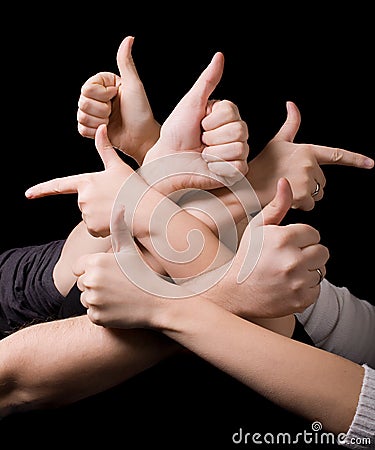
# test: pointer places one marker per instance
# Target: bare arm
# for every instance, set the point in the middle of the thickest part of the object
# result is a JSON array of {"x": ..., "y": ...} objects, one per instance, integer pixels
[
  {"x": 313, "y": 383},
  {"x": 56, "y": 363}
]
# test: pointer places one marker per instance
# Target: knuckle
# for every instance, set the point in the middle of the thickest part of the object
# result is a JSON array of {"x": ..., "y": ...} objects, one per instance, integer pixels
[
  {"x": 300, "y": 307},
  {"x": 95, "y": 316},
  {"x": 302, "y": 299},
  {"x": 239, "y": 150},
  {"x": 308, "y": 148},
  {"x": 83, "y": 103},
  {"x": 289, "y": 266},
  {"x": 58, "y": 186},
  {"x": 85, "y": 132},
  {"x": 94, "y": 261},
  {"x": 238, "y": 130},
  {"x": 281, "y": 237},
  {"x": 336, "y": 155},
  {"x": 229, "y": 108}
]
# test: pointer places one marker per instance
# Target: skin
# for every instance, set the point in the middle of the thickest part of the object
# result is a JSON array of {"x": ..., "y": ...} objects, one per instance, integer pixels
[
  {"x": 315, "y": 384},
  {"x": 126, "y": 352},
  {"x": 278, "y": 159},
  {"x": 119, "y": 101},
  {"x": 68, "y": 360},
  {"x": 119, "y": 125},
  {"x": 299, "y": 250}
]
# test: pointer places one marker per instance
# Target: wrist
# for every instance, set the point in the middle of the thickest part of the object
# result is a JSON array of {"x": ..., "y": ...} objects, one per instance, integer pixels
[
  {"x": 177, "y": 316},
  {"x": 260, "y": 183},
  {"x": 152, "y": 138}
]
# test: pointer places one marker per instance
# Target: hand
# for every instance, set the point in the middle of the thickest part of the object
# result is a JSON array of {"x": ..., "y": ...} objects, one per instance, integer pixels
[
  {"x": 210, "y": 159},
  {"x": 96, "y": 191},
  {"x": 299, "y": 163},
  {"x": 119, "y": 299},
  {"x": 274, "y": 272},
  {"x": 111, "y": 299},
  {"x": 119, "y": 101}
]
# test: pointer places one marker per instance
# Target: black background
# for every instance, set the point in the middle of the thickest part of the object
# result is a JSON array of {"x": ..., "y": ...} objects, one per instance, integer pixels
[{"x": 321, "y": 60}]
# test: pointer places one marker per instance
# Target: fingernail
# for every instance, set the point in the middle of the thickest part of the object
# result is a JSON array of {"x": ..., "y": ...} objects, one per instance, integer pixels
[
  {"x": 29, "y": 193},
  {"x": 368, "y": 162}
]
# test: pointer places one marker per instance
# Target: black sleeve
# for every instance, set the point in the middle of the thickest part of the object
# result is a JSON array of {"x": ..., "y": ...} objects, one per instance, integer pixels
[
  {"x": 300, "y": 333},
  {"x": 72, "y": 305}
]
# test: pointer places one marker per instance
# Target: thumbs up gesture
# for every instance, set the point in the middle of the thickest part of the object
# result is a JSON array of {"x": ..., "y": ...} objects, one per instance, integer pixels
[
  {"x": 103, "y": 279},
  {"x": 203, "y": 141},
  {"x": 119, "y": 101},
  {"x": 276, "y": 269}
]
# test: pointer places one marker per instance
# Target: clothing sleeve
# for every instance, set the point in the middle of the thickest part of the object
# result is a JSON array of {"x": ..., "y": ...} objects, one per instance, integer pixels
[
  {"x": 341, "y": 323},
  {"x": 28, "y": 293},
  {"x": 361, "y": 434}
]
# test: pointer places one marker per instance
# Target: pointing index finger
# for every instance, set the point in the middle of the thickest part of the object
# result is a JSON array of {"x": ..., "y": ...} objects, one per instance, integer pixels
[
  {"x": 339, "y": 156},
  {"x": 64, "y": 185}
]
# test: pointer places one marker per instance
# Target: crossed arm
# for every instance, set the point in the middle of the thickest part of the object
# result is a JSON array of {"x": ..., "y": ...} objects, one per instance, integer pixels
[{"x": 111, "y": 339}]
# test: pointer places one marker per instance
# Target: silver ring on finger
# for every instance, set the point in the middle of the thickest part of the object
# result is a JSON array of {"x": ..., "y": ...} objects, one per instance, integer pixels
[
  {"x": 316, "y": 191},
  {"x": 320, "y": 273}
]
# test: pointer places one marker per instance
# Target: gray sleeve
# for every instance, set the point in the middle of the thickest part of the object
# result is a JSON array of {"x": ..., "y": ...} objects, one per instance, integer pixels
[
  {"x": 341, "y": 323},
  {"x": 361, "y": 434}
]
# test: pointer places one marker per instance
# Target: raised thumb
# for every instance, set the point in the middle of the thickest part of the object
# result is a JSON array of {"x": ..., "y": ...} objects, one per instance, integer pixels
[
  {"x": 251, "y": 244},
  {"x": 290, "y": 127},
  {"x": 276, "y": 210},
  {"x": 125, "y": 61},
  {"x": 105, "y": 148}
]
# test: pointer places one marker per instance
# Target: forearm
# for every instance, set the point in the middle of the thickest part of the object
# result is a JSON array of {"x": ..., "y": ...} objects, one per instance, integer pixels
[
  {"x": 180, "y": 242},
  {"x": 56, "y": 363},
  {"x": 308, "y": 381}
]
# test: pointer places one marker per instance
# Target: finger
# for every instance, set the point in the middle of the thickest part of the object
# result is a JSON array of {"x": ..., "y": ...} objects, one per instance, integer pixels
[
  {"x": 315, "y": 256},
  {"x": 251, "y": 243},
  {"x": 91, "y": 121},
  {"x": 101, "y": 87},
  {"x": 80, "y": 283},
  {"x": 105, "y": 149},
  {"x": 229, "y": 169},
  {"x": 122, "y": 239},
  {"x": 95, "y": 108},
  {"x": 291, "y": 125},
  {"x": 221, "y": 112},
  {"x": 125, "y": 62},
  {"x": 275, "y": 211},
  {"x": 317, "y": 188},
  {"x": 329, "y": 155},
  {"x": 302, "y": 234},
  {"x": 306, "y": 201},
  {"x": 64, "y": 185},
  {"x": 86, "y": 131},
  {"x": 317, "y": 275},
  {"x": 229, "y": 132},
  {"x": 226, "y": 152},
  {"x": 79, "y": 267},
  {"x": 206, "y": 82},
  {"x": 210, "y": 104},
  {"x": 83, "y": 299}
]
